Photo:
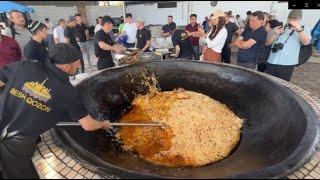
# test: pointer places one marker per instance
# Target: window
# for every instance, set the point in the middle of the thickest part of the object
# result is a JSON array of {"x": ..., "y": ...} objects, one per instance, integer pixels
[{"x": 167, "y": 5}]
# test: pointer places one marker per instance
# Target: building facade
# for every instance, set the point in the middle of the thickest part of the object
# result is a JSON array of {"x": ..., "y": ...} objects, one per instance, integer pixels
[{"x": 55, "y": 10}]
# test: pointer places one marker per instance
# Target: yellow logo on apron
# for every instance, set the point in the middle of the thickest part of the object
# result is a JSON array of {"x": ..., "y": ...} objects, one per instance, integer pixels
[
  {"x": 37, "y": 90},
  {"x": 34, "y": 90}
]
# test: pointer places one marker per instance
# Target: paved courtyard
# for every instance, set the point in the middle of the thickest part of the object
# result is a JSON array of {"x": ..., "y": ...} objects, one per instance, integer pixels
[{"x": 307, "y": 77}]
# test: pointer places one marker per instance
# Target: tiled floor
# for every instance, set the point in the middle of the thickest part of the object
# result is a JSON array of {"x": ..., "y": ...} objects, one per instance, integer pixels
[
  {"x": 52, "y": 162},
  {"x": 307, "y": 77}
]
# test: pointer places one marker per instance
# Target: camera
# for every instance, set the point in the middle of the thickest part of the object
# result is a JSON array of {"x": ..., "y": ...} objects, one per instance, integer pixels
[
  {"x": 275, "y": 23},
  {"x": 279, "y": 24},
  {"x": 276, "y": 47}
]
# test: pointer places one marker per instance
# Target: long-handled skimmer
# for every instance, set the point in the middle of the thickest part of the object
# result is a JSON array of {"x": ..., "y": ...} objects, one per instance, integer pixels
[{"x": 112, "y": 124}]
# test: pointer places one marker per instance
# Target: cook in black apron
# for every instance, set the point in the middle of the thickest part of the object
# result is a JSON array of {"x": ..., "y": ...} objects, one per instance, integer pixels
[
  {"x": 37, "y": 95},
  {"x": 103, "y": 44}
]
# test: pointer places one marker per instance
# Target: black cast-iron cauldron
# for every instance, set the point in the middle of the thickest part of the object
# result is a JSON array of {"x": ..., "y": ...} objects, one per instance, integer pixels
[{"x": 280, "y": 129}]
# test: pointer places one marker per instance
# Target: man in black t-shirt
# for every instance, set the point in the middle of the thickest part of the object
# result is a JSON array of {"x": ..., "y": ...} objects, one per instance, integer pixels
[
  {"x": 205, "y": 24},
  {"x": 182, "y": 44},
  {"x": 251, "y": 41},
  {"x": 70, "y": 37},
  {"x": 103, "y": 44},
  {"x": 143, "y": 36},
  {"x": 36, "y": 96},
  {"x": 166, "y": 29},
  {"x": 82, "y": 34},
  {"x": 36, "y": 48},
  {"x": 232, "y": 29}
]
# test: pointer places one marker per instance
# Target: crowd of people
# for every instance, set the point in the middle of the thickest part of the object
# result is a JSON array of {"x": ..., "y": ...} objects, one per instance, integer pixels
[
  {"x": 263, "y": 43},
  {"x": 257, "y": 38}
]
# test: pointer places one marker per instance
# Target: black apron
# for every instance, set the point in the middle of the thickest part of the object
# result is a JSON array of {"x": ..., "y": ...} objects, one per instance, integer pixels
[{"x": 16, "y": 152}]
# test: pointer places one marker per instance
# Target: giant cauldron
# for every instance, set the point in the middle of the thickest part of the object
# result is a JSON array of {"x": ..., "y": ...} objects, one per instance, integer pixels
[{"x": 279, "y": 134}]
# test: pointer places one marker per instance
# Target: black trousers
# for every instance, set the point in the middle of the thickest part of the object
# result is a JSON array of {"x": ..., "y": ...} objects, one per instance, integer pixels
[
  {"x": 282, "y": 72},
  {"x": 15, "y": 158},
  {"x": 81, "y": 60},
  {"x": 249, "y": 65},
  {"x": 129, "y": 45},
  {"x": 226, "y": 54},
  {"x": 186, "y": 58},
  {"x": 104, "y": 63},
  {"x": 262, "y": 67}
]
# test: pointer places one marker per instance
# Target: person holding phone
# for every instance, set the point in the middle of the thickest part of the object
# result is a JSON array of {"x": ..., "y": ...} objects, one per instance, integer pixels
[{"x": 286, "y": 43}]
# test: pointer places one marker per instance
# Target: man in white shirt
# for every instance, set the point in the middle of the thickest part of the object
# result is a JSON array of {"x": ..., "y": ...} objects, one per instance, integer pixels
[
  {"x": 131, "y": 31},
  {"x": 98, "y": 25},
  {"x": 58, "y": 32},
  {"x": 49, "y": 31},
  {"x": 240, "y": 22},
  {"x": 18, "y": 30}
]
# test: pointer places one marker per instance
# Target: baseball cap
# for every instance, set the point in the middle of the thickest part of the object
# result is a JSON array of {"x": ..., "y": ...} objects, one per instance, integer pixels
[
  {"x": 295, "y": 13},
  {"x": 106, "y": 19},
  {"x": 71, "y": 18},
  {"x": 34, "y": 26},
  {"x": 63, "y": 53},
  {"x": 218, "y": 13},
  {"x": 140, "y": 19}
]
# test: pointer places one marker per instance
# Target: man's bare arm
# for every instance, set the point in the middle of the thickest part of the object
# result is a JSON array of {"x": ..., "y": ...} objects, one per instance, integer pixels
[
  {"x": 56, "y": 40},
  {"x": 2, "y": 84},
  {"x": 198, "y": 33},
  {"x": 147, "y": 45},
  {"x": 66, "y": 40},
  {"x": 239, "y": 32},
  {"x": 240, "y": 43},
  {"x": 87, "y": 34},
  {"x": 107, "y": 47},
  {"x": 165, "y": 34},
  {"x": 177, "y": 51},
  {"x": 90, "y": 124},
  {"x": 305, "y": 38}
]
